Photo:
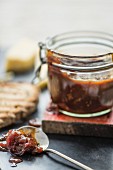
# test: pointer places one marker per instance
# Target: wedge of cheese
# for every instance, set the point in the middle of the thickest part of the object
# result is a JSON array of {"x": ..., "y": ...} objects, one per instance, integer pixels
[{"x": 21, "y": 57}]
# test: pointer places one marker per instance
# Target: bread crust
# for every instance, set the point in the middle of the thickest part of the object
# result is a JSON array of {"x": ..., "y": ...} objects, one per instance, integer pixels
[{"x": 17, "y": 101}]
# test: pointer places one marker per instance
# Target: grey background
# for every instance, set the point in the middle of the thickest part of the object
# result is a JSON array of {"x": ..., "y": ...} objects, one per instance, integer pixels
[{"x": 38, "y": 19}]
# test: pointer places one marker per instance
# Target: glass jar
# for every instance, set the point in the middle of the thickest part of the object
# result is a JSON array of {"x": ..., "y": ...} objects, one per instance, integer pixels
[{"x": 80, "y": 71}]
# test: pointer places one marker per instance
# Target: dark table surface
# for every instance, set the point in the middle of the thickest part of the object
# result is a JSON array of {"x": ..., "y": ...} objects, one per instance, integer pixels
[{"x": 94, "y": 152}]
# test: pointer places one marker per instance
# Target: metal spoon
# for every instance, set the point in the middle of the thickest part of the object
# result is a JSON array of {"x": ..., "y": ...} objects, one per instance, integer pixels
[{"x": 42, "y": 138}]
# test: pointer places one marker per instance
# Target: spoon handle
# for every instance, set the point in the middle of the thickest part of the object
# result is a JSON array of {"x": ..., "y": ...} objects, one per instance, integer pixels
[{"x": 69, "y": 159}]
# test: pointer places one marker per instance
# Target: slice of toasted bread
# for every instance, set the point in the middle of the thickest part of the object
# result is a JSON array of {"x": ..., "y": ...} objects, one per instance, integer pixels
[{"x": 17, "y": 101}]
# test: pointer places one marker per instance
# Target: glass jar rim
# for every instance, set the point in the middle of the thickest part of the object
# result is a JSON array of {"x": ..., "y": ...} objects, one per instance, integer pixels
[{"x": 96, "y": 37}]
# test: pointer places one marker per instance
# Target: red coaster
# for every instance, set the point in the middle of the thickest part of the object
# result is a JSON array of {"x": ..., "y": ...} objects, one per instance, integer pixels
[{"x": 55, "y": 122}]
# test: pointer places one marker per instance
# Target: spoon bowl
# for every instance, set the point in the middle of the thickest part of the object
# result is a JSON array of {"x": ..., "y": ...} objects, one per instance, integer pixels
[
  {"x": 39, "y": 135},
  {"x": 43, "y": 140}
]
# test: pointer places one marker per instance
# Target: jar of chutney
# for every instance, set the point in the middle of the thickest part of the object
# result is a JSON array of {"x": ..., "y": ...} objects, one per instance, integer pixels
[{"x": 80, "y": 72}]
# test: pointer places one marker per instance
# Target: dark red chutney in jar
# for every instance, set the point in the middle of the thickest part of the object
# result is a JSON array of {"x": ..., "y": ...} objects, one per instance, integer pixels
[{"x": 81, "y": 96}]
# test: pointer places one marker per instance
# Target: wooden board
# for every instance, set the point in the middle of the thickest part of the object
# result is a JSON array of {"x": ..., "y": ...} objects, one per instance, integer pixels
[{"x": 61, "y": 124}]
